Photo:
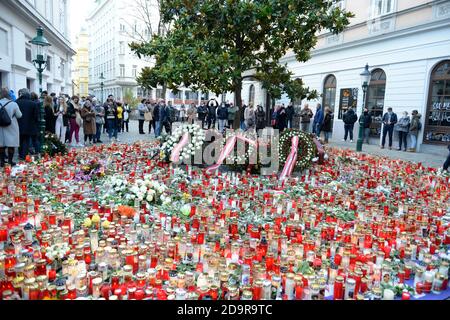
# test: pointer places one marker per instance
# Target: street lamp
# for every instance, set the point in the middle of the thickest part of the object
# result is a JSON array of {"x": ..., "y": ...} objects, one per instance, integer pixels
[
  {"x": 39, "y": 46},
  {"x": 102, "y": 78},
  {"x": 365, "y": 77}
]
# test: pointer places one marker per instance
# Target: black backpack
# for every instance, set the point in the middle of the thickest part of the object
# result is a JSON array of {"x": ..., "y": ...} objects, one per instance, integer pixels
[{"x": 5, "y": 120}]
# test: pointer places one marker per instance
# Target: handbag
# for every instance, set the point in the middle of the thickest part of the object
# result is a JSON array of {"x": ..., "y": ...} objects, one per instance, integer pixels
[
  {"x": 148, "y": 116},
  {"x": 5, "y": 119}
]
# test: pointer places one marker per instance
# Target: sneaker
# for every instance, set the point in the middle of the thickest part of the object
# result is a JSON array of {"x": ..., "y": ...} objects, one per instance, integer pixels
[
  {"x": 99, "y": 141},
  {"x": 73, "y": 145},
  {"x": 343, "y": 140},
  {"x": 81, "y": 145},
  {"x": 351, "y": 141},
  {"x": 382, "y": 147}
]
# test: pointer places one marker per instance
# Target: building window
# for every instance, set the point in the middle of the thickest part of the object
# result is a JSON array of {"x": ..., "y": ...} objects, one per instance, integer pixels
[
  {"x": 189, "y": 95},
  {"x": 122, "y": 27},
  {"x": 122, "y": 70},
  {"x": 176, "y": 95},
  {"x": 329, "y": 93},
  {"x": 382, "y": 7},
  {"x": 49, "y": 63},
  {"x": 159, "y": 94},
  {"x": 122, "y": 48},
  {"x": 251, "y": 95},
  {"x": 375, "y": 99},
  {"x": 134, "y": 71},
  {"x": 4, "y": 42},
  {"x": 338, "y": 4},
  {"x": 437, "y": 119},
  {"x": 28, "y": 54}
]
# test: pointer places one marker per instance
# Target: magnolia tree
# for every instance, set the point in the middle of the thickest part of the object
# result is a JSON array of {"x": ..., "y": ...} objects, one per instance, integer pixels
[{"x": 212, "y": 43}]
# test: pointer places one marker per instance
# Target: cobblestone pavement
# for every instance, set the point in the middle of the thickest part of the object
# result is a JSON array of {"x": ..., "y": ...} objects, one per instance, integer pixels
[{"x": 432, "y": 156}]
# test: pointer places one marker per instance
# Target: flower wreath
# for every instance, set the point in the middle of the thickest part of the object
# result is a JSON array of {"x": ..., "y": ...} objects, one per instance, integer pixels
[
  {"x": 307, "y": 149},
  {"x": 196, "y": 140}
]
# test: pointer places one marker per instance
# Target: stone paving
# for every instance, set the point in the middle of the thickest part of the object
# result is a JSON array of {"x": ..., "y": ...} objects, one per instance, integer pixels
[{"x": 432, "y": 156}]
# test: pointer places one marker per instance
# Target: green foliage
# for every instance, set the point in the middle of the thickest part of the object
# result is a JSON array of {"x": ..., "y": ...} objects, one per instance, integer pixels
[
  {"x": 213, "y": 42},
  {"x": 53, "y": 146},
  {"x": 129, "y": 98}
]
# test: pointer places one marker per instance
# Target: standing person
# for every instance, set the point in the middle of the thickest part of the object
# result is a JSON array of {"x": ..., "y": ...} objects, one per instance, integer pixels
[
  {"x": 75, "y": 121},
  {"x": 172, "y": 115},
  {"x": 89, "y": 125},
  {"x": 191, "y": 113},
  {"x": 389, "y": 121},
  {"x": 402, "y": 126},
  {"x": 260, "y": 118},
  {"x": 250, "y": 117},
  {"x": 182, "y": 113},
  {"x": 414, "y": 130},
  {"x": 126, "y": 118},
  {"x": 142, "y": 109},
  {"x": 349, "y": 119},
  {"x": 111, "y": 121},
  {"x": 9, "y": 135},
  {"x": 99, "y": 120},
  {"x": 290, "y": 115},
  {"x": 273, "y": 116},
  {"x": 367, "y": 118},
  {"x": 202, "y": 113},
  {"x": 28, "y": 123},
  {"x": 157, "y": 119},
  {"x": 50, "y": 118},
  {"x": 327, "y": 124},
  {"x": 150, "y": 118},
  {"x": 119, "y": 117},
  {"x": 242, "y": 117},
  {"x": 164, "y": 118},
  {"x": 232, "y": 113},
  {"x": 318, "y": 120},
  {"x": 222, "y": 116},
  {"x": 306, "y": 114},
  {"x": 62, "y": 119},
  {"x": 281, "y": 122},
  {"x": 212, "y": 107}
]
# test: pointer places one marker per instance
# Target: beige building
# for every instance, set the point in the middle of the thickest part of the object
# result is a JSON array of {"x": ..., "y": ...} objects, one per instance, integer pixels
[
  {"x": 407, "y": 46},
  {"x": 81, "y": 65}
]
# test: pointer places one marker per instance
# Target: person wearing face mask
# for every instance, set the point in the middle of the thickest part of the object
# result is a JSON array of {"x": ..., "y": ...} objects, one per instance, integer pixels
[
  {"x": 367, "y": 118},
  {"x": 402, "y": 127},
  {"x": 389, "y": 121}
]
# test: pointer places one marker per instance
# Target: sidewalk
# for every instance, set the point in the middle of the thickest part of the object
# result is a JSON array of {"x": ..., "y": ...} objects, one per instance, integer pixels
[{"x": 430, "y": 156}]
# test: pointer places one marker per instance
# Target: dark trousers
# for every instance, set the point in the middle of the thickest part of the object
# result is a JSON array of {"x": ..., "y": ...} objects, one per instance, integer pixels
[
  {"x": 119, "y": 125},
  {"x": 402, "y": 139},
  {"x": 151, "y": 125},
  {"x": 211, "y": 122},
  {"x": 24, "y": 149},
  {"x": 141, "y": 126},
  {"x": 167, "y": 126},
  {"x": 387, "y": 129},
  {"x": 125, "y": 125},
  {"x": 348, "y": 130},
  {"x": 447, "y": 162},
  {"x": 98, "y": 132}
]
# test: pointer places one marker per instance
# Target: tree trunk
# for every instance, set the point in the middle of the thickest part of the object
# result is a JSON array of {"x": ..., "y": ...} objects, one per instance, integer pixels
[
  {"x": 238, "y": 94},
  {"x": 164, "y": 91}
]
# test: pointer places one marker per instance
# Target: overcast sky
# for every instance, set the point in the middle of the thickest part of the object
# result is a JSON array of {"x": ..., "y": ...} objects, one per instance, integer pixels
[{"x": 79, "y": 10}]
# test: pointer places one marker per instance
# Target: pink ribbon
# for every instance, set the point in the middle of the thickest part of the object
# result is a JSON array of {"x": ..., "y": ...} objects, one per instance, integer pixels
[
  {"x": 175, "y": 156},
  {"x": 291, "y": 159},
  {"x": 229, "y": 147}
]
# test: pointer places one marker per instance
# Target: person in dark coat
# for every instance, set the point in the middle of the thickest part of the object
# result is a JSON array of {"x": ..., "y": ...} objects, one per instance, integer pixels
[
  {"x": 349, "y": 119},
  {"x": 50, "y": 118},
  {"x": 260, "y": 118},
  {"x": 327, "y": 124},
  {"x": 29, "y": 123},
  {"x": 389, "y": 121},
  {"x": 290, "y": 115},
  {"x": 447, "y": 162},
  {"x": 367, "y": 118},
  {"x": 202, "y": 112},
  {"x": 281, "y": 122},
  {"x": 242, "y": 117},
  {"x": 318, "y": 120},
  {"x": 212, "y": 107}
]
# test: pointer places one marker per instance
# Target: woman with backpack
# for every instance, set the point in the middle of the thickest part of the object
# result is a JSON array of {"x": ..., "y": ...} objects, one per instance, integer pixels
[{"x": 9, "y": 127}]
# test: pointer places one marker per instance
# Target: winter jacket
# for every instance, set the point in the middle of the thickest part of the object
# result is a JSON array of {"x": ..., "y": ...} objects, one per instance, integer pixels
[
  {"x": 260, "y": 119},
  {"x": 350, "y": 117},
  {"x": 88, "y": 115},
  {"x": 9, "y": 136},
  {"x": 403, "y": 124},
  {"x": 367, "y": 120},
  {"x": 290, "y": 112},
  {"x": 222, "y": 113},
  {"x": 306, "y": 115},
  {"x": 318, "y": 118},
  {"x": 202, "y": 112},
  {"x": 416, "y": 125},
  {"x": 393, "y": 119},
  {"x": 281, "y": 122},
  {"x": 29, "y": 123},
  {"x": 326, "y": 126},
  {"x": 232, "y": 113}
]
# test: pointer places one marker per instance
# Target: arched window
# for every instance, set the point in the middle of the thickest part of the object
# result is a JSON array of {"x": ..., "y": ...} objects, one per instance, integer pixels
[
  {"x": 251, "y": 95},
  {"x": 329, "y": 92},
  {"x": 375, "y": 99},
  {"x": 437, "y": 119}
]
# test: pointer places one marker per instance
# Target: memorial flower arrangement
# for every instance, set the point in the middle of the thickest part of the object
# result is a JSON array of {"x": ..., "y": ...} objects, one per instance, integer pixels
[
  {"x": 53, "y": 146},
  {"x": 189, "y": 137},
  {"x": 307, "y": 150}
]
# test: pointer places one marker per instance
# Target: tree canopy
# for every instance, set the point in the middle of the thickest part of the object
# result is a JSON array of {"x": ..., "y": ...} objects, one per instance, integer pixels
[{"x": 214, "y": 42}]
